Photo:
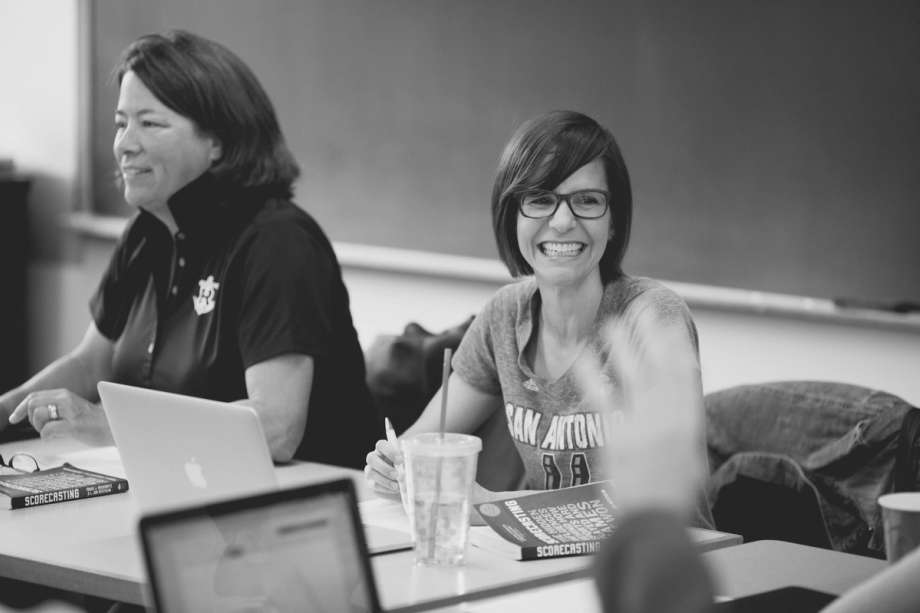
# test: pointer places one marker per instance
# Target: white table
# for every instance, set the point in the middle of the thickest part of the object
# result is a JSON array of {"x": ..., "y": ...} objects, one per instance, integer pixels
[
  {"x": 90, "y": 546},
  {"x": 401, "y": 583},
  {"x": 737, "y": 571}
]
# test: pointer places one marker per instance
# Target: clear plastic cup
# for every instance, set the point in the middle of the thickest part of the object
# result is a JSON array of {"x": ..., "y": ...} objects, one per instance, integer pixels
[
  {"x": 901, "y": 519},
  {"x": 439, "y": 481}
]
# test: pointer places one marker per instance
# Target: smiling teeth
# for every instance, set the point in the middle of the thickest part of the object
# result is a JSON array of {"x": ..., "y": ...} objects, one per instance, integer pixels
[{"x": 554, "y": 249}]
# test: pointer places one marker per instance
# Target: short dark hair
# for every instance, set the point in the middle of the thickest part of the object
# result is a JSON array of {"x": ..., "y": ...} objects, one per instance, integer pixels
[
  {"x": 207, "y": 83},
  {"x": 541, "y": 154}
]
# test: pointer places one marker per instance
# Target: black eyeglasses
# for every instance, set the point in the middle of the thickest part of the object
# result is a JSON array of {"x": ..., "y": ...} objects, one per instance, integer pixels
[
  {"x": 21, "y": 462},
  {"x": 584, "y": 203}
]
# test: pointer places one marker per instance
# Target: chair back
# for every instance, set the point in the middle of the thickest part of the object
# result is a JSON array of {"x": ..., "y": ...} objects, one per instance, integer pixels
[{"x": 805, "y": 461}]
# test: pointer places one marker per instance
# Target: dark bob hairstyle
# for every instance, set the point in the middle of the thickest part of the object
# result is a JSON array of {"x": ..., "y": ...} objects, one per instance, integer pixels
[
  {"x": 207, "y": 83},
  {"x": 541, "y": 154}
]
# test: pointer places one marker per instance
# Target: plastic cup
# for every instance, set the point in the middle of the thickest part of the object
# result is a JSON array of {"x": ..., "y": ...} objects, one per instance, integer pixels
[
  {"x": 901, "y": 517},
  {"x": 439, "y": 481}
]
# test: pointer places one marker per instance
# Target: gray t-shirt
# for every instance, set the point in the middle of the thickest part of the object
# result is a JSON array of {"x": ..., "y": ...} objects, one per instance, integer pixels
[{"x": 557, "y": 437}]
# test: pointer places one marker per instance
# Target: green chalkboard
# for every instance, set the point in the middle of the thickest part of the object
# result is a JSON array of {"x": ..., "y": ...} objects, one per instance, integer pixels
[{"x": 772, "y": 145}]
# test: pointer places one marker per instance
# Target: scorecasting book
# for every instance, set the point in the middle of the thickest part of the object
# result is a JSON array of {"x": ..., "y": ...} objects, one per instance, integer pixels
[
  {"x": 59, "y": 484},
  {"x": 556, "y": 523}
]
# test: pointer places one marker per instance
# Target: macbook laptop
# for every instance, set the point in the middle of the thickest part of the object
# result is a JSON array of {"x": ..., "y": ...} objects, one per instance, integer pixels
[
  {"x": 300, "y": 549},
  {"x": 181, "y": 450}
]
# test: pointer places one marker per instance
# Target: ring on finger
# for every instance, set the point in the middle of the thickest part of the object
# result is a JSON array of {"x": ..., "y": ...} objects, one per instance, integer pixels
[{"x": 53, "y": 414}]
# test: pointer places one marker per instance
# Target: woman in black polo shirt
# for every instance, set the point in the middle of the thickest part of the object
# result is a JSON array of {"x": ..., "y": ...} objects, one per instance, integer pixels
[{"x": 220, "y": 287}]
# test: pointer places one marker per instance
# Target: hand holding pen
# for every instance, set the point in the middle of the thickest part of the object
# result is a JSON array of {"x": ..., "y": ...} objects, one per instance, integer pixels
[
  {"x": 384, "y": 465},
  {"x": 400, "y": 471},
  {"x": 384, "y": 469}
]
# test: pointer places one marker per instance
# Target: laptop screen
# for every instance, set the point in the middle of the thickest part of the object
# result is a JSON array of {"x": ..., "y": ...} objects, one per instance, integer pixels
[{"x": 295, "y": 550}]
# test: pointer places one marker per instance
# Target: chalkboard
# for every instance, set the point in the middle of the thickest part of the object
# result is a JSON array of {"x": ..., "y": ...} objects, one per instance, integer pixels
[{"x": 772, "y": 145}]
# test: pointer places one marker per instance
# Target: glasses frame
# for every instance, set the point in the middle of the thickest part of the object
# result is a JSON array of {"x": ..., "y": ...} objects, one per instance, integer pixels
[
  {"x": 560, "y": 198},
  {"x": 9, "y": 463}
]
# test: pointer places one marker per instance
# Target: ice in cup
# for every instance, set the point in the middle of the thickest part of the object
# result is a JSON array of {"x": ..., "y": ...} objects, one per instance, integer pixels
[
  {"x": 439, "y": 480},
  {"x": 901, "y": 518}
]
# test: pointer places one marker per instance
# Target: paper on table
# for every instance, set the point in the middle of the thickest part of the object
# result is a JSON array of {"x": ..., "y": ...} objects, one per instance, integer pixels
[
  {"x": 385, "y": 513},
  {"x": 574, "y": 595},
  {"x": 385, "y": 525},
  {"x": 104, "y": 460}
]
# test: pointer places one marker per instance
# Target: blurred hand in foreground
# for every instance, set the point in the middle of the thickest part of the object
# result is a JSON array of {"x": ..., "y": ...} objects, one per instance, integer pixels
[{"x": 655, "y": 441}]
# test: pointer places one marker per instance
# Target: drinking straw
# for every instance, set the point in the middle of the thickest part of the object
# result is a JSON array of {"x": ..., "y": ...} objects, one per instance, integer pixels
[
  {"x": 433, "y": 521},
  {"x": 445, "y": 377}
]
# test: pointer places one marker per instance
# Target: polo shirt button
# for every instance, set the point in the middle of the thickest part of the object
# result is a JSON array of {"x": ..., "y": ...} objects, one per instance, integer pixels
[
  {"x": 174, "y": 290},
  {"x": 181, "y": 262},
  {"x": 181, "y": 236},
  {"x": 150, "y": 347}
]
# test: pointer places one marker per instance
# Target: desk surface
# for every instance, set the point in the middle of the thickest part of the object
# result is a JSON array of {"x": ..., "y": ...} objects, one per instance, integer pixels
[
  {"x": 737, "y": 571},
  {"x": 400, "y": 582},
  {"x": 90, "y": 545}
]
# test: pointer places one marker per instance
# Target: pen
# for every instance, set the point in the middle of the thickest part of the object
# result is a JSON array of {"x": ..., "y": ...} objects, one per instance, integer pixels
[{"x": 392, "y": 440}]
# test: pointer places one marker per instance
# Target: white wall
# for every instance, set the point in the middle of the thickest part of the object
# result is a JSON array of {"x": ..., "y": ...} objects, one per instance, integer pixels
[
  {"x": 40, "y": 119},
  {"x": 740, "y": 348},
  {"x": 38, "y": 108},
  {"x": 735, "y": 347}
]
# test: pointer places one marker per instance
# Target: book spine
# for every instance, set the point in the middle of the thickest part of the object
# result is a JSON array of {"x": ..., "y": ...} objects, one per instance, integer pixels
[
  {"x": 74, "y": 493},
  {"x": 562, "y": 550}
]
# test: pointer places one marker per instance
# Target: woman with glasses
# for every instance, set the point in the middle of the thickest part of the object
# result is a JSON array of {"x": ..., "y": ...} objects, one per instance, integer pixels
[
  {"x": 221, "y": 287},
  {"x": 561, "y": 213}
]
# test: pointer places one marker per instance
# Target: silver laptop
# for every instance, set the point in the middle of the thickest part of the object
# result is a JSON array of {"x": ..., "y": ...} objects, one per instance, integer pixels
[
  {"x": 181, "y": 450},
  {"x": 300, "y": 550}
]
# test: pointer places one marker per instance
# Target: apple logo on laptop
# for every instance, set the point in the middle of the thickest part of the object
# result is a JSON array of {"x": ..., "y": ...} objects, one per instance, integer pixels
[{"x": 195, "y": 474}]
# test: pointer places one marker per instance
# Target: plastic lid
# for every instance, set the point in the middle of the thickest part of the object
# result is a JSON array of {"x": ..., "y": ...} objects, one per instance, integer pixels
[
  {"x": 431, "y": 444},
  {"x": 901, "y": 501}
]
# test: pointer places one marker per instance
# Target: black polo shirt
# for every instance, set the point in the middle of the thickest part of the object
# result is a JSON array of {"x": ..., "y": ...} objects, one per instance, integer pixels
[{"x": 246, "y": 278}]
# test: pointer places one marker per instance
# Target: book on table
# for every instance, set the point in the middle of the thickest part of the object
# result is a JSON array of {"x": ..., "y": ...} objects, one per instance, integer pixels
[
  {"x": 552, "y": 524},
  {"x": 59, "y": 484}
]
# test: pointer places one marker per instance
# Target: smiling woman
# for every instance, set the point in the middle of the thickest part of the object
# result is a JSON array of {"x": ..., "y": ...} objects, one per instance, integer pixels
[
  {"x": 158, "y": 151},
  {"x": 561, "y": 215},
  {"x": 561, "y": 244},
  {"x": 220, "y": 287}
]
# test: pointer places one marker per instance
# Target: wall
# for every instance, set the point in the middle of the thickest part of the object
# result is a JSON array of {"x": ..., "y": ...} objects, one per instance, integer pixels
[
  {"x": 771, "y": 145},
  {"x": 40, "y": 128},
  {"x": 735, "y": 346}
]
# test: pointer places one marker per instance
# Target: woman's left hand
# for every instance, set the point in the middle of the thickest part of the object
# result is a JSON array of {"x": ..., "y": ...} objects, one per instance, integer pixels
[{"x": 61, "y": 413}]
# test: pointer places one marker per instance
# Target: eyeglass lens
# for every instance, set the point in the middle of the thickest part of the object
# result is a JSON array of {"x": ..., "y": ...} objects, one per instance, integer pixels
[
  {"x": 22, "y": 462},
  {"x": 589, "y": 204}
]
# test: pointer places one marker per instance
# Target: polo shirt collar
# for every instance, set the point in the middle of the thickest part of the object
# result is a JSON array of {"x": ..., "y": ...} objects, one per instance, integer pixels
[{"x": 200, "y": 207}]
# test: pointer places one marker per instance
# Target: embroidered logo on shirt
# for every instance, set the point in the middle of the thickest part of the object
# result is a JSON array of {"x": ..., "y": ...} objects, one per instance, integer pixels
[{"x": 207, "y": 291}]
